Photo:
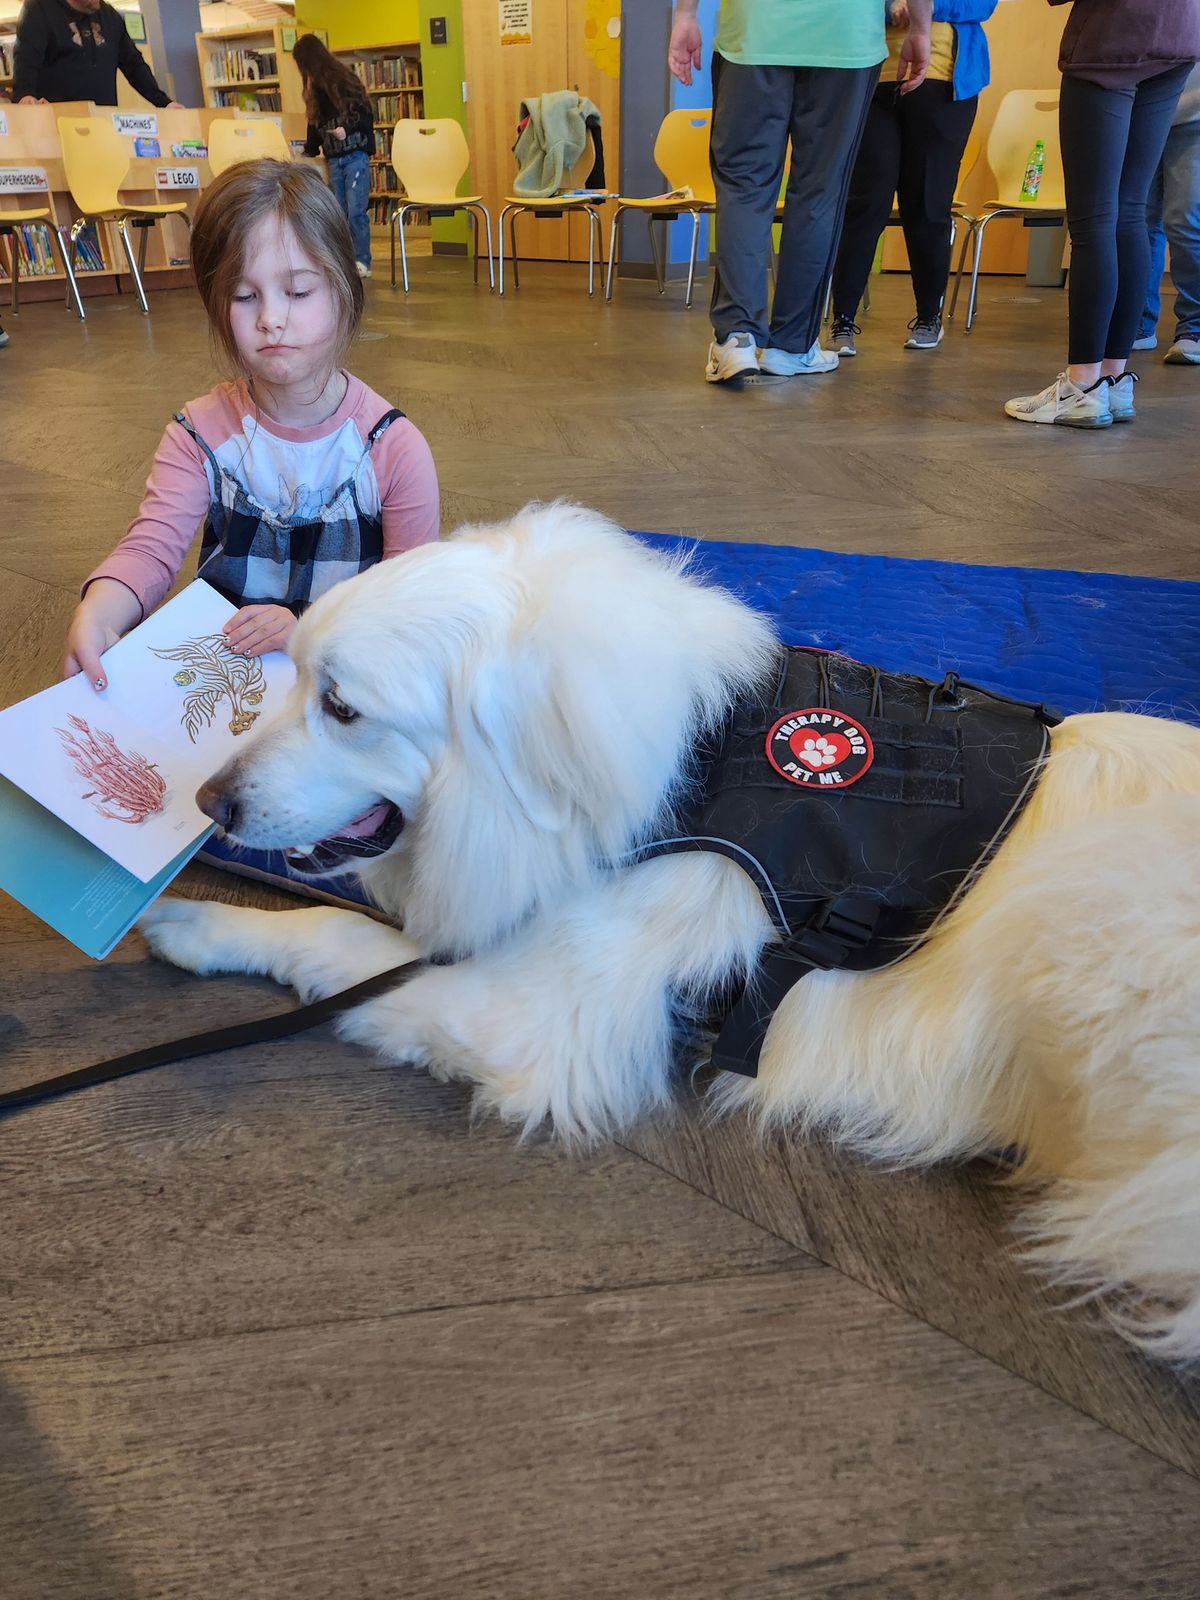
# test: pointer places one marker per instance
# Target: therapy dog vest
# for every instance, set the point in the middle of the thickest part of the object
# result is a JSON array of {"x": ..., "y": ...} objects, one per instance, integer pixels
[{"x": 861, "y": 803}]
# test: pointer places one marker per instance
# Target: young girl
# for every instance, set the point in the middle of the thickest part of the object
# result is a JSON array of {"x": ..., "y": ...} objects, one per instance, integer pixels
[
  {"x": 301, "y": 475},
  {"x": 341, "y": 127}
]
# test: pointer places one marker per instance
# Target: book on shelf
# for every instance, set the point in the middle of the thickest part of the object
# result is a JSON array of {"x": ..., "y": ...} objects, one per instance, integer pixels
[
  {"x": 395, "y": 107},
  {"x": 390, "y": 72},
  {"x": 248, "y": 99},
  {"x": 97, "y": 808},
  {"x": 241, "y": 66}
]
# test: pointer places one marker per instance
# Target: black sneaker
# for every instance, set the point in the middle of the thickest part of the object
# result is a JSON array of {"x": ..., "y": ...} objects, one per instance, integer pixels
[
  {"x": 841, "y": 338},
  {"x": 924, "y": 335}
]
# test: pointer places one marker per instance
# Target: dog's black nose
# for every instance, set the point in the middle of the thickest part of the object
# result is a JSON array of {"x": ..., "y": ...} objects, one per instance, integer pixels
[{"x": 218, "y": 805}]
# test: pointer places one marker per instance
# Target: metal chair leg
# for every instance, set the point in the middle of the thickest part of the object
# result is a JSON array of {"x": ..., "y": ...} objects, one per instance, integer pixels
[
  {"x": 145, "y": 233},
  {"x": 392, "y": 238},
  {"x": 474, "y": 221},
  {"x": 512, "y": 242},
  {"x": 487, "y": 225},
  {"x": 14, "y": 272},
  {"x": 656, "y": 255},
  {"x": 401, "y": 218},
  {"x": 968, "y": 236},
  {"x": 127, "y": 243},
  {"x": 687, "y": 303},
  {"x": 828, "y": 298},
  {"x": 594, "y": 237},
  {"x": 612, "y": 250},
  {"x": 68, "y": 260},
  {"x": 866, "y": 300},
  {"x": 978, "y": 253}
]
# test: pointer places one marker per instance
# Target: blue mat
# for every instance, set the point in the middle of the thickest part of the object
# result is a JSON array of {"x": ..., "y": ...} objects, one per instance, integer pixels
[{"x": 1082, "y": 641}]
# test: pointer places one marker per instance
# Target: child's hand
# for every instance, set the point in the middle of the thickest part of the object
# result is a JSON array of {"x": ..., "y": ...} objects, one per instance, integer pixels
[
  {"x": 254, "y": 630},
  {"x": 107, "y": 611}
]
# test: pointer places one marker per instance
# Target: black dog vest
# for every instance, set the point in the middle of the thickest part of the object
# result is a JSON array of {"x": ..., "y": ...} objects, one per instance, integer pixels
[{"x": 861, "y": 803}]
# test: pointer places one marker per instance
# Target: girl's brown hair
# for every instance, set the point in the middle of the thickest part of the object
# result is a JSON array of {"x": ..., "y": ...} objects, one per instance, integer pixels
[
  {"x": 231, "y": 208},
  {"x": 329, "y": 85}
]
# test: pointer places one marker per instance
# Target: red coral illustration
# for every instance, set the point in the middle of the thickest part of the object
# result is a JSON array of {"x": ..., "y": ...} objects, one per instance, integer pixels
[{"x": 128, "y": 788}]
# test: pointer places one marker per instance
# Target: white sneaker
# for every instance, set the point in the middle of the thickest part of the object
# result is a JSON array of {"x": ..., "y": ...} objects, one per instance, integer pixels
[
  {"x": 1120, "y": 397},
  {"x": 1184, "y": 352},
  {"x": 1066, "y": 403},
  {"x": 783, "y": 364},
  {"x": 924, "y": 335},
  {"x": 1148, "y": 341},
  {"x": 363, "y": 270},
  {"x": 735, "y": 355},
  {"x": 4, "y": 339}
]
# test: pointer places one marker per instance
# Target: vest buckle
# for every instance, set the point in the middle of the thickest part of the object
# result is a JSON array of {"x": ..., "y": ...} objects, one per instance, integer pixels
[{"x": 839, "y": 928}]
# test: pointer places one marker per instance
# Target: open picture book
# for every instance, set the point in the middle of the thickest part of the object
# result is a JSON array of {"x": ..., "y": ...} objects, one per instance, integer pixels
[{"x": 97, "y": 797}]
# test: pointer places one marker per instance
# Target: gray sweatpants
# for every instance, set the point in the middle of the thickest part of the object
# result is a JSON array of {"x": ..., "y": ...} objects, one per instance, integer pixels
[{"x": 755, "y": 112}]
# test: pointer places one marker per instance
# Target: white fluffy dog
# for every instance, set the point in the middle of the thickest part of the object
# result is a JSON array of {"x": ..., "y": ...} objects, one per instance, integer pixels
[{"x": 526, "y": 695}]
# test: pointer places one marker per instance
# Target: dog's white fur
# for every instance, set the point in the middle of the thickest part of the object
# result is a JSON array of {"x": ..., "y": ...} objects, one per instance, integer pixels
[{"x": 528, "y": 694}]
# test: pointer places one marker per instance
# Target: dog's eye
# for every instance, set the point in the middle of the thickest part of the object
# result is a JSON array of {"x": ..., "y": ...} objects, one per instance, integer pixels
[{"x": 337, "y": 708}]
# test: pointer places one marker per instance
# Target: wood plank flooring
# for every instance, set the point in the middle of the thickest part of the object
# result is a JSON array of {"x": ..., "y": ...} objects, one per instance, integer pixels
[{"x": 287, "y": 1323}]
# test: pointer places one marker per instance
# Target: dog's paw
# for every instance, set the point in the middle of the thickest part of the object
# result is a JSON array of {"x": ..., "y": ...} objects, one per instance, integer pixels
[{"x": 186, "y": 933}]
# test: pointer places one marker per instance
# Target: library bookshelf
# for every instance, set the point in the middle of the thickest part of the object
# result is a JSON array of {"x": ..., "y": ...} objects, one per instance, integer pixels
[
  {"x": 32, "y": 176},
  {"x": 247, "y": 69},
  {"x": 391, "y": 75}
]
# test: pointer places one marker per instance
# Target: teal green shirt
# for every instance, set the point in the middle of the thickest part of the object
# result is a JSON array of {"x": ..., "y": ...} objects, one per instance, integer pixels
[{"x": 802, "y": 33}]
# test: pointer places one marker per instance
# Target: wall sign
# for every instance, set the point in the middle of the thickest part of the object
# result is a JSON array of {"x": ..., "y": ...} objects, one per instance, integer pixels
[
  {"x": 20, "y": 180},
  {"x": 177, "y": 178},
  {"x": 143, "y": 122},
  {"x": 516, "y": 21}
]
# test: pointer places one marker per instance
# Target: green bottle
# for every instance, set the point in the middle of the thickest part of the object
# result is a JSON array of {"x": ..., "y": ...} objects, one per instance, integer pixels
[{"x": 1033, "y": 171}]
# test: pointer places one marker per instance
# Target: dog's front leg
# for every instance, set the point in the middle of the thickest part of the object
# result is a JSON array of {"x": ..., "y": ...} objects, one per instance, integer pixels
[
  {"x": 317, "y": 950},
  {"x": 573, "y": 1020}
]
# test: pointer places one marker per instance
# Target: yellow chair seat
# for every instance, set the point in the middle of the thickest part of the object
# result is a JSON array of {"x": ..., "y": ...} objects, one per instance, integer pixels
[
  {"x": 558, "y": 202},
  {"x": 9, "y": 217},
  {"x": 117, "y": 212},
  {"x": 438, "y": 200},
  {"x": 667, "y": 205}
]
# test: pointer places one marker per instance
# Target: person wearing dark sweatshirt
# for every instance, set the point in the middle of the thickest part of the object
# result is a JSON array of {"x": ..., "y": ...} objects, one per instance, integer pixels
[{"x": 72, "y": 50}]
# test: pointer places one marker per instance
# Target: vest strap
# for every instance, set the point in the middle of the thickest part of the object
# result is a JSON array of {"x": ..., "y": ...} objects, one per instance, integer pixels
[{"x": 826, "y": 943}]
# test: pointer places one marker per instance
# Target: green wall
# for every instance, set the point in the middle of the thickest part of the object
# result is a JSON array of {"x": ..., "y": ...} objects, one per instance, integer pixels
[{"x": 354, "y": 24}]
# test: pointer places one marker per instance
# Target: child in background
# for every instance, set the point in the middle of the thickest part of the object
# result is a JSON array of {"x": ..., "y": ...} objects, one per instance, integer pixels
[
  {"x": 341, "y": 127},
  {"x": 301, "y": 475}
]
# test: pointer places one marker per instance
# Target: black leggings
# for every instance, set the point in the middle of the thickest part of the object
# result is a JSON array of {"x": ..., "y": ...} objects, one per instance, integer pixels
[
  {"x": 1112, "y": 142},
  {"x": 911, "y": 147}
]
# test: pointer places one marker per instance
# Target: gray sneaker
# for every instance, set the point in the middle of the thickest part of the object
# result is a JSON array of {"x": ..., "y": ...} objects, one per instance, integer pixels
[
  {"x": 924, "y": 335},
  {"x": 841, "y": 336},
  {"x": 1120, "y": 397},
  {"x": 1184, "y": 352},
  {"x": 1147, "y": 341},
  {"x": 4, "y": 339}
]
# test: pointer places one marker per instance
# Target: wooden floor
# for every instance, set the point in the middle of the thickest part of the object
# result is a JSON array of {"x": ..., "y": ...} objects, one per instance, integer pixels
[{"x": 287, "y": 1324}]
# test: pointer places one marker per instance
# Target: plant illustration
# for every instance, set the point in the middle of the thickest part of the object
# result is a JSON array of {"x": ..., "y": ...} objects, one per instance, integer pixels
[
  {"x": 127, "y": 787},
  {"x": 213, "y": 673}
]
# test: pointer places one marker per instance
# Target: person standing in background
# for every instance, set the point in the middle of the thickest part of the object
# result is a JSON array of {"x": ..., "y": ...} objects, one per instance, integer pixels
[
  {"x": 1124, "y": 64},
  {"x": 912, "y": 148},
  {"x": 785, "y": 70},
  {"x": 341, "y": 127},
  {"x": 1173, "y": 217},
  {"x": 72, "y": 50}
]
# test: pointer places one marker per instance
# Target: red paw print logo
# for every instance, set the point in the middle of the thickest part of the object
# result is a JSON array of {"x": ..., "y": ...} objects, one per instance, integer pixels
[{"x": 824, "y": 750}]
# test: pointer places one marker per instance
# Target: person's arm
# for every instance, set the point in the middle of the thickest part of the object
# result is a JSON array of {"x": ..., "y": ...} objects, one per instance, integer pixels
[
  {"x": 408, "y": 489},
  {"x": 136, "y": 68},
  {"x": 684, "y": 51},
  {"x": 136, "y": 576},
  {"x": 29, "y": 54},
  {"x": 914, "y": 52},
  {"x": 312, "y": 141}
]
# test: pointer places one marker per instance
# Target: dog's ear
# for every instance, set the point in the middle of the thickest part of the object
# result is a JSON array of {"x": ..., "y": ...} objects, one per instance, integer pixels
[{"x": 507, "y": 718}]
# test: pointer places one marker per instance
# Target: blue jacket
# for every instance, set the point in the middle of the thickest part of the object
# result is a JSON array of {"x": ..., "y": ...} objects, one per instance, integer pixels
[{"x": 972, "y": 68}]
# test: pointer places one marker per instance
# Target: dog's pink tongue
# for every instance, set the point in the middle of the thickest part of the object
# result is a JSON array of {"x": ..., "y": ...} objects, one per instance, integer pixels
[{"x": 370, "y": 822}]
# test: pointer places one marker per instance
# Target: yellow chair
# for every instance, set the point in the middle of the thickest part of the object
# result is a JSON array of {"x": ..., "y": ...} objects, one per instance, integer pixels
[
  {"x": 234, "y": 139},
  {"x": 1023, "y": 117},
  {"x": 429, "y": 159},
  {"x": 681, "y": 155},
  {"x": 96, "y": 162},
  {"x": 10, "y": 221},
  {"x": 555, "y": 205}
]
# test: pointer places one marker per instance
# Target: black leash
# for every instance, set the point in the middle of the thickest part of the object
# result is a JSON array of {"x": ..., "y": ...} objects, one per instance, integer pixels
[{"x": 261, "y": 1031}]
